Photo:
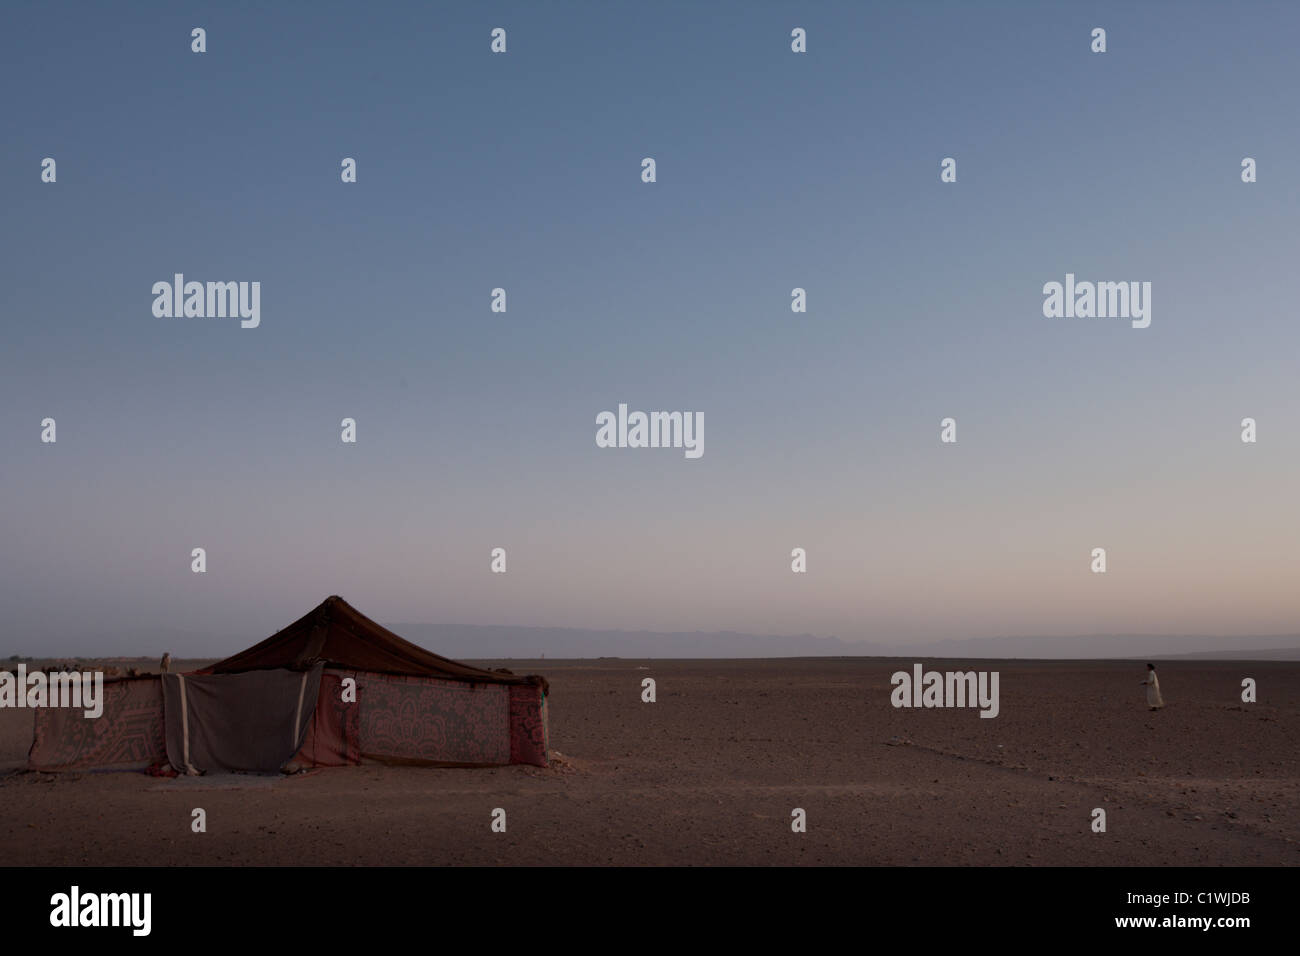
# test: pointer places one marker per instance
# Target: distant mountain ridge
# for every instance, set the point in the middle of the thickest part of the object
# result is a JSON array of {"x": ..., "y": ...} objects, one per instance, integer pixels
[
  {"x": 492, "y": 641},
  {"x": 1117, "y": 646},
  {"x": 488, "y": 642}
]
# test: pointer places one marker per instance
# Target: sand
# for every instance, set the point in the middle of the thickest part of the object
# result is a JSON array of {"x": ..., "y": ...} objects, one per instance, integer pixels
[{"x": 709, "y": 774}]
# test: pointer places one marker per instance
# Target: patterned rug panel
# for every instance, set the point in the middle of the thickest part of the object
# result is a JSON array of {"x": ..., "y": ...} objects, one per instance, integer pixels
[
  {"x": 414, "y": 718},
  {"x": 128, "y": 735}
]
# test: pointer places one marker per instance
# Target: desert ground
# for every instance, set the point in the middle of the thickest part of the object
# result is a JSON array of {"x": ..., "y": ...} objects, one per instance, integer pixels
[{"x": 709, "y": 774}]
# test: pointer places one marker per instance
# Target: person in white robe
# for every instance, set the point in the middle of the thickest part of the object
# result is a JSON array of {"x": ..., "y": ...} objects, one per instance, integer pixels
[{"x": 1152, "y": 683}]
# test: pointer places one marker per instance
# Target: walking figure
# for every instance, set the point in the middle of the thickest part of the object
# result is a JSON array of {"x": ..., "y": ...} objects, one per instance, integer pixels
[{"x": 1152, "y": 683}]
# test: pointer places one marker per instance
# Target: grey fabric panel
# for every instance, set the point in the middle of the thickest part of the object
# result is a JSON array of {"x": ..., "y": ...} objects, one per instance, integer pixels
[{"x": 254, "y": 721}]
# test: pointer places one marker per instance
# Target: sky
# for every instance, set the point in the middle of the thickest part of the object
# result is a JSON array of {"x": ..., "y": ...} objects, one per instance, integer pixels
[{"x": 523, "y": 170}]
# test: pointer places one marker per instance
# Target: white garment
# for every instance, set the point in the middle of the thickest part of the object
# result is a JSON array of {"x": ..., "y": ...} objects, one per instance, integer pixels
[{"x": 1153, "y": 690}]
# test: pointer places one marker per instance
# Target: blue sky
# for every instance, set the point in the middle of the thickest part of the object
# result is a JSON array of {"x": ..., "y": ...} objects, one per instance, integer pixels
[{"x": 775, "y": 170}]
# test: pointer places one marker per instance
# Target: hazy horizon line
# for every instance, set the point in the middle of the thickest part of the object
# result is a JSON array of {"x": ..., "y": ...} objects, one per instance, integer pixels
[{"x": 433, "y": 634}]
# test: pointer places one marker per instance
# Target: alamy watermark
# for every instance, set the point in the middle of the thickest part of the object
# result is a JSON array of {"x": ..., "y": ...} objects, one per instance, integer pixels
[
  {"x": 76, "y": 908},
  {"x": 651, "y": 430},
  {"x": 1101, "y": 300},
  {"x": 947, "y": 689},
  {"x": 56, "y": 689},
  {"x": 211, "y": 300}
]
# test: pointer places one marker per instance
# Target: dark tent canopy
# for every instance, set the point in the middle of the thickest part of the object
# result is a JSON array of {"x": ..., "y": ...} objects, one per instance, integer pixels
[{"x": 338, "y": 635}]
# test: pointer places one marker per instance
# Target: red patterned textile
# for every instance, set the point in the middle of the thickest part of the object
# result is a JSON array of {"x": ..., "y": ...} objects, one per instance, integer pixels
[
  {"x": 528, "y": 731},
  {"x": 425, "y": 720},
  {"x": 128, "y": 735},
  {"x": 334, "y": 733}
]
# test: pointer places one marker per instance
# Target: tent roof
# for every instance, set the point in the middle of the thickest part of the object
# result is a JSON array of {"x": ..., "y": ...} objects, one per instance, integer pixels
[{"x": 339, "y": 635}]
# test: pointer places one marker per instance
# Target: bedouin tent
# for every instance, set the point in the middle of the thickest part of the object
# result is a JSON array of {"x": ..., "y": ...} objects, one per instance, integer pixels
[{"x": 331, "y": 689}]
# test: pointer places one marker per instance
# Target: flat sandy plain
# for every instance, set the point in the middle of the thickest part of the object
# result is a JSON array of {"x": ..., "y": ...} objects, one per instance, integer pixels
[{"x": 709, "y": 774}]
